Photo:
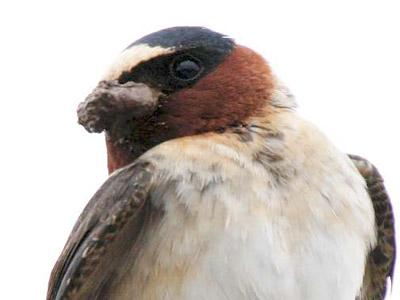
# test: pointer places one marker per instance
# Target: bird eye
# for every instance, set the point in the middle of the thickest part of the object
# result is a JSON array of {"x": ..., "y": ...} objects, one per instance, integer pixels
[{"x": 186, "y": 68}]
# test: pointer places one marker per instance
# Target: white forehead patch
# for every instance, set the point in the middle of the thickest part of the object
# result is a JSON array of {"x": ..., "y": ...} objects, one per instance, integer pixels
[{"x": 131, "y": 57}]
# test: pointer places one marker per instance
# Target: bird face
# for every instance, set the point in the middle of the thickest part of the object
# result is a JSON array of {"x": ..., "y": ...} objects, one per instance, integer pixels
[{"x": 176, "y": 82}]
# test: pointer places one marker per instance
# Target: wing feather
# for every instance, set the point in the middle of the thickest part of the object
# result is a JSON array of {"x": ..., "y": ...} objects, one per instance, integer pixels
[
  {"x": 99, "y": 240},
  {"x": 381, "y": 259}
]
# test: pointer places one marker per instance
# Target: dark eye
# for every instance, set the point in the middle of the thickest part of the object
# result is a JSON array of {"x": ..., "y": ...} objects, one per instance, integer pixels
[{"x": 186, "y": 68}]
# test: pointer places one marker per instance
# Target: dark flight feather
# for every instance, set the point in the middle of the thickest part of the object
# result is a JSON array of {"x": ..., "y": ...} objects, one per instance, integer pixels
[
  {"x": 381, "y": 259},
  {"x": 97, "y": 245}
]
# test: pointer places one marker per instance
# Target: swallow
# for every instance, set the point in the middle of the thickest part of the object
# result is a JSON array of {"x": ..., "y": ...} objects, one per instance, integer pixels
[{"x": 218, "y": 189}]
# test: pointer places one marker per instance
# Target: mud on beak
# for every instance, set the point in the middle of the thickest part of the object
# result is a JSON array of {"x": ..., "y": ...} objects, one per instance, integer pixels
[{"x": 111, "y": 101}]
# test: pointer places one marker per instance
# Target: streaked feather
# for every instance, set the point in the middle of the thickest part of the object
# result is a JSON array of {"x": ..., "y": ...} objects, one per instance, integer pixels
[{"x": 381, "y": 259}]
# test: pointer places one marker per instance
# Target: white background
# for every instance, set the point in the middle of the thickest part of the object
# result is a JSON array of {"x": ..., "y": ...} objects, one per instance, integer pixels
[{"x": 340, "y": 58}]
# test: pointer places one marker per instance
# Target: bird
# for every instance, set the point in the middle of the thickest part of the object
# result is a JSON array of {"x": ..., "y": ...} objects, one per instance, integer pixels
[{"x": 217, "y": 188}]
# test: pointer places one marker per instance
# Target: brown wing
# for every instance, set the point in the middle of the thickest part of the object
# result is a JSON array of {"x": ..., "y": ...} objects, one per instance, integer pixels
[
  {"x": 110, "y": 226},
  {"x": 381, "y": 259}
]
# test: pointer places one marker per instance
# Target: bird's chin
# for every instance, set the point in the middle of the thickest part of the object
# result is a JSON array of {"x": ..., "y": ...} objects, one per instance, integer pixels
[{"x": 112, "y": 102}]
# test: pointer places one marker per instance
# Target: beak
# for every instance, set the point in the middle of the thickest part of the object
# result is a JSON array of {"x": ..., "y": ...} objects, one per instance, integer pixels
[{"x": 111, "y": 101}]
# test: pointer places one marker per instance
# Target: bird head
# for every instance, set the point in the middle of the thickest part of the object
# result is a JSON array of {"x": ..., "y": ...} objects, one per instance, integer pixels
[{"x": 178, "y": 82}]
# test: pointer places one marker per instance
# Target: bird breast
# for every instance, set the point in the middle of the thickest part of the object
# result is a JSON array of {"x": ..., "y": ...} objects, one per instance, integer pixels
[{"x": 275, "y": 217}]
